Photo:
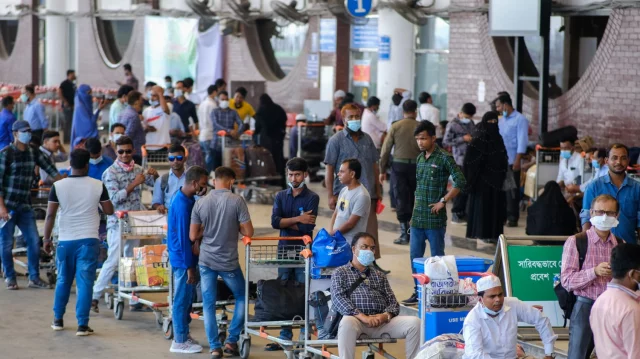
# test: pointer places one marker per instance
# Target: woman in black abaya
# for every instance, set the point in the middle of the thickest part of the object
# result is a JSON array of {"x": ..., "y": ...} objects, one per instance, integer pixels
[
  {"x": 485, "y": 168},
  {"x": 271, "y": 125}
]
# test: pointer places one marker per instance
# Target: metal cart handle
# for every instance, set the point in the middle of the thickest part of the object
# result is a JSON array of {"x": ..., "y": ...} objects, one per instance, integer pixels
[
  {"x": 538, "y": 148},
  {"x": 311, "y": 124},
  {"x": 424, "y": 279},
  {"x": 247, "y": 240}
]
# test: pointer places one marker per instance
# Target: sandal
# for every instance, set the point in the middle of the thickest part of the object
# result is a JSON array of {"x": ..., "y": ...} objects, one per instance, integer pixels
[
  {"x": 217, "y": 353},
  {"x": 273, "y": 347}
]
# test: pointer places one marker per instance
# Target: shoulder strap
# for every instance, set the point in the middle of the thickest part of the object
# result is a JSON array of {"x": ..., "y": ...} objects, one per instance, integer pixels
[
  {"x": 164, "y": 182},
  {"x": 9, "y": 151},
  {"x": 355, "y": 285},
  {"x": 582, "y": 243}
]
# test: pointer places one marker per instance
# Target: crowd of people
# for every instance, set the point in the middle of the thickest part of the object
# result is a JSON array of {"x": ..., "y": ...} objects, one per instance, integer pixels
[{"x": 475, "y": 163}]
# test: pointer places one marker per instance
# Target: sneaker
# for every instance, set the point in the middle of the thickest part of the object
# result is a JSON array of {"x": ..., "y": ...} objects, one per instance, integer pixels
[
  {"x": 191, "y": 340},
  {"x": 94, "y": 306},
  {"x": 401, "y": 241},
  {"x": 231, "y": 349},
  {"x": 217, "y": 353},
  {"x": 38, "y": 284},
  {"x": 412, "y": 300},
  {"x": 57, "y": 325},
  {"x": 185, "y": 348},
  {"x": 456, "y": 219},
  {"x": 83, "y": 331},
  {"x": 12, "y": 284}
]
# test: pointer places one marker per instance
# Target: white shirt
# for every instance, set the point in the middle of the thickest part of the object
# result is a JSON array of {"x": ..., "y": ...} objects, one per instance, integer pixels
[
  {"x": 373, "y": 126},
  {"x": 603, "y": 170},
  {"x": 204, "y": 115},
  {"x": 571, "y": 168},
  {"x": 156, "y": 117},
  {"x": 428, "y": 112},
  {"x": 496, "y": 338}
]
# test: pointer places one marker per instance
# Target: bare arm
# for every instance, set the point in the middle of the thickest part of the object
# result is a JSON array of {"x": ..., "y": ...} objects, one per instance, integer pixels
[
  {"x": 246, "y": 229},
  {"x": 196, "y": 232},
  {"x": 107, "y": 207},
  {"x": 50, "y": 220},
  {"x": 333, "y": 221}
]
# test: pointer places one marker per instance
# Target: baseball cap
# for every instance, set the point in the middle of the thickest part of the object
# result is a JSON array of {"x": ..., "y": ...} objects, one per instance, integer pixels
[{"x": 21, "y": 125}]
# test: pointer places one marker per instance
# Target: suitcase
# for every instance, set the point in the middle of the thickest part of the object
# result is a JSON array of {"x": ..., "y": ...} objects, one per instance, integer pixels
[
  {"x": 259, "y": 162},
  {"x": 196, "y": 157},
  {"x": 279, "y": 300},
  {"x": 553, "y": 138}
]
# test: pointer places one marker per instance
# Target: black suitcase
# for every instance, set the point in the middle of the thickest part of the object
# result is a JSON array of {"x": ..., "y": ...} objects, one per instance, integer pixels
[
  {"x": 553, "y": 138},
  {"x": 279, "y": 300}
]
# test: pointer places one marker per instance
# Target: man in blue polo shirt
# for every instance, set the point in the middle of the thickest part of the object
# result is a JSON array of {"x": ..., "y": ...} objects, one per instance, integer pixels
[
  {"x": 97, "y": 163},
  {"x": 183, "y": 261},
  {"x": 294, "y": 214},
  {"x": 621, "y": 187},
  {"x": 167, "y": 184}
]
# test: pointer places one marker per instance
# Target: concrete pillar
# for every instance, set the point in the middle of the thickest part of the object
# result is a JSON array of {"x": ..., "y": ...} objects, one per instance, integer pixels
[
  {"x": 56, "y": 45},
  {"x": 398, "y": 71}
]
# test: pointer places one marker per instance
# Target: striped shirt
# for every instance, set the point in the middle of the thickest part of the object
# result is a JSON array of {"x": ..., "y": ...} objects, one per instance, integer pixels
[
  {"x": 223, "y": 119},
  {"x": 584, "y": 282}
]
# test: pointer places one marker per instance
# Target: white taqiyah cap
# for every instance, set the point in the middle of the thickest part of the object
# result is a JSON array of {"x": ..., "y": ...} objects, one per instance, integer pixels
[
  {"x": 339, "y": 94},
  {"x": 486, "y": 283},
  {"x": 301, "y": 117}
]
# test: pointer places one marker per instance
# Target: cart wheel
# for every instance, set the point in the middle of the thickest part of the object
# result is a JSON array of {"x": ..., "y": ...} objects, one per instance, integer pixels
[
  {"x": 368, "y": 355},
  {"x": 118, "y": 310},
  {"x": 159, "y": 318},
  {"x": 245, "y": 347},
  {"x": 167, "y": 328},
  {"x": 222, "y": 336}
]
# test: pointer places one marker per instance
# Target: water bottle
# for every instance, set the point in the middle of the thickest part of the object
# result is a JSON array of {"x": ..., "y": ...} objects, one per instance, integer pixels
[
  {"x": 301, "y": 210},
  {"x": 3, "y": 222},
  {"x": 556, "y": 280}
]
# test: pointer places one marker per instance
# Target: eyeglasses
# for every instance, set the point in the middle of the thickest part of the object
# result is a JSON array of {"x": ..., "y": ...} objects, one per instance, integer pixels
[
  {"x": 599, "y": 212},
  {"x": 121, "y": 152},
  {"x": 173, "y": 158}
]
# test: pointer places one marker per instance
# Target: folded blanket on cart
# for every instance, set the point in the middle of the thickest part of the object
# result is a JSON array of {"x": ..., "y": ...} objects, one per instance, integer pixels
[{"x": 445, "y": 346}]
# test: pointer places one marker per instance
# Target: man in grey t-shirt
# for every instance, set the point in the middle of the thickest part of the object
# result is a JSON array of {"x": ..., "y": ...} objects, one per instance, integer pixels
[
  {"x": 354, "y": 203},
  {"x": 216, "y": 222}
]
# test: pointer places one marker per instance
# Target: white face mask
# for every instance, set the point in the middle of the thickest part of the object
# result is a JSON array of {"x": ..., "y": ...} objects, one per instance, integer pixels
[
  {"x": 115, "y": 137},
  {"x": 224, "y": 105},
  {"x": 604, "y": 222}
]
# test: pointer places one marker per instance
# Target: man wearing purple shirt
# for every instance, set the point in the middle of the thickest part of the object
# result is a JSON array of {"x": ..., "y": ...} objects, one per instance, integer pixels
[
  {"x": 130, "y": 118},
  {"x": 6, "y": 121}
]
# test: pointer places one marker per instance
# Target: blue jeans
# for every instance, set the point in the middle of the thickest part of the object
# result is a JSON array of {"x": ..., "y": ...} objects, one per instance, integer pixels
[
  {"x": 76, "y": 259},
  {"x": 417, "y": 244},
  {"x": 208, "y": 156},
  {"x": 25, "y": 220},
  {"x": 182, "y": 299},
  {"x": 298, "y": 275},
  {"x": 235, "y": 281}
]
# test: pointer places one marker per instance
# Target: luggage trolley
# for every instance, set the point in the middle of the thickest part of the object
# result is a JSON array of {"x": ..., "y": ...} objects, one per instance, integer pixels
[
  {"x": 134, "y": 225},
  {"x": 154, "y": 155},
  {"x": 312, "y": 149},
  {"x": 289, "y": 256}
]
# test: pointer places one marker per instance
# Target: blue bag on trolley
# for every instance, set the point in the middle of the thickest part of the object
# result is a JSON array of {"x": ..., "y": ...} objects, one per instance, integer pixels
[{"x": 330, "y": 251}]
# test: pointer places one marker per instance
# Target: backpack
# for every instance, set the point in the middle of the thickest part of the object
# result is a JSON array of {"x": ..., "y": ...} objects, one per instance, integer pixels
[{"x": 164, "y": 182}]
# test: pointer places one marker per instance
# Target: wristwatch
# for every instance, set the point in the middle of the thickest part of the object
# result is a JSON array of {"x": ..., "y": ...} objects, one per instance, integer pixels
[{"x": 442, "y": 200}]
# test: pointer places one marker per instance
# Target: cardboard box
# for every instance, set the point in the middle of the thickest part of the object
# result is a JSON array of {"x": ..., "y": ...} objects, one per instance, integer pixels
[
  {"x": 127, "y": 273},
  {"x": 152, "y": 265}
]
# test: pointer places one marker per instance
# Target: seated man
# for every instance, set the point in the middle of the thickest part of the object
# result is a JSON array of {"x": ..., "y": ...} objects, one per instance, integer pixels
[
  {"x": 491, "y": 328},
  {"x": 571, "y": 165},
  {"x": 372, "y": 308}
]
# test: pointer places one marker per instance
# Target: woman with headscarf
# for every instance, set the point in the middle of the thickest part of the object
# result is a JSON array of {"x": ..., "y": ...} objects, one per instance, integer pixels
[
  {"x": 551, "y": 215},
  {"x": 85, "y": 120},
  {"x": 485, "y": 168},
  {"x": 271, "y": 127}
]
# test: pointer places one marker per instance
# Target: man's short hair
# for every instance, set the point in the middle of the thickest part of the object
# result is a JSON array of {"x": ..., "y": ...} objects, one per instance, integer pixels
[
  {"x": 211, "y": 89},
  {"x": 133, "y": 97},
  {"x": 359, "y": 235},
  {"x": 167, "y": 78},
  {"x": 49, "y": 134},
  {"x": 223, "y": 93},
  {"x": 188, "y": 82},
  {"x": 354, "y": 165},
  {"x": 297, "y": 164},
  {"x": 624, "y": 257},
  {"x": 124, "y": 90},
  {"x": 373, "y": 101},
  {"x": 116, "y": 125},
  {"x": 225, "y": 173},
  {"x": 423, "y": 97},
  {"x": 349, "y": 107},
  {"x": 71, "y": 71},
  {"x": 93, "y": 145},
  {"x": 505, "y": 99},
  {"x": 30, "y": 88},
  {"x": 605, "y": 198},
  {"x": 242, "y": 91},
  {"x": 409, "y": 106},
  {"x": 425, "y": 126},
  {"x": 468, "y": 109},
  {"x": 177, "y": 148},
  {"x": 220, "y": 83},
  {"x": 617, "y": 146},
  {"x": 150, "y": 84},
  {"x": 124, "y": 140},
  {"x": 194, "y": 173},
  {"x": 7, "y": 101},
  {"x": 127, "y": 67},
  {"x": 180, "y": 82},
  {"x": 79, "y": 158},
  {"x": 600, "y": 153}
]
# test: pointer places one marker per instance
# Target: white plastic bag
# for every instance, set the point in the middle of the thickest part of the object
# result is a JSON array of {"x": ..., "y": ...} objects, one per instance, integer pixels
[
  {"x": 445, "y": 346},
  {"x": 443, "y": 274},
  {"x": 467, "y": 287}
]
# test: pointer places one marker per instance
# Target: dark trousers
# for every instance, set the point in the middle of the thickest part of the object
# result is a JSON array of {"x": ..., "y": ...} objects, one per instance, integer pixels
[
  {"x": 405, "y": 188},
  {"x": 460, "y": 204},
  {"x": 513, "y": 201},
  {"x": 66, "y": 124},
  {"x": 580, "y": 335}
]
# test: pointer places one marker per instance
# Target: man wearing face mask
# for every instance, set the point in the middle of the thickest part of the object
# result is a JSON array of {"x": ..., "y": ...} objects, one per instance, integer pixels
[
  {"x": 117, "y": 131},
  {"x": 491, "y": 328},
  {"x": 97, "y": 162},
  {"x": 458, "y": 136},
  {"x": 588, "y": 280},
  {"x": 615, "y": 316},
  {"x": 599, "y": 167},
  {"x": 17, "y": 169},
  {"x": 371, "y": 123},
  {"x": 571, "y": 164},
  {"x": 170, "y": 182},
  {"x": 353, "y": 143},
  {"x": 184, "y": 108},
  {"x": 403, "y": 166},
  {"x": 156, "y": 120},
  {"x": 119, "y": 104},
  {"x": 364, "y": 297},
  {"x": 223, "y": 118},
  {"x": 135, "y": 129},
  {"x": 6, "y": 121},
  {"x": 168, "y": 83},
  {"x": 34, "y": 111},
  {"x": 395, "y": 109},
  {"x": 618, "y": 185}
]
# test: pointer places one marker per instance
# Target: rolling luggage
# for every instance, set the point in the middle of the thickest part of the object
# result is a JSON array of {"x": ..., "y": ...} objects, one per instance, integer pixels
[
  {"x": 259, "y": 162},
  {"x": 196, "y": 157}
]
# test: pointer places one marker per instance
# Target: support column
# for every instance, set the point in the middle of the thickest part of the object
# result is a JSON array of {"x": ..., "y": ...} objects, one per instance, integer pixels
[
  {"x": 56, "y": 45},
  {"x": 398, "y": 71}
]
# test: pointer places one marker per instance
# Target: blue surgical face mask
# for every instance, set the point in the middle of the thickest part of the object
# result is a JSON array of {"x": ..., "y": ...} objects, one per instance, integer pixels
[
  {"x": 292, "y": 186},
  {"x": 354, "y": 125},
  {"x": 504, "y": 114},
  {"x": 366, "y": 257},
  {"x": 177, "y": 93},
  {"x": 565, "y": 154},
  {"x": 465, "y": 120},
  {"x": 491, "y": 312},
  {"x": 595, "y": 164},
  {"x": 167, "y": 84},
  {"x": 154, "y": 103},
  {"x": 95, "y": 161},
  {"x": 24, "y": 97},
  {"x": 149, "y": 93},
  {"x": 24, "y": 137}
]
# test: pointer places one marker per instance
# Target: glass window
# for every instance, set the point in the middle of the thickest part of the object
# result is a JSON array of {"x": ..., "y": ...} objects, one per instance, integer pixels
[
  {"x": 431, "y": 65},
  {"x": 287, "y": 45},
  {"x": 434, "y": 35},
  {"x": 556, "y": 52},
  {"x": 8, "y": 33},
  {"x": 114, "y": 38},
  {"x": 364, "y": 75}
]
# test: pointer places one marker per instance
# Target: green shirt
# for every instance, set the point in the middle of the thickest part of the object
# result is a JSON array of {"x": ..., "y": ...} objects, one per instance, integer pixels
[{"x": 432, "y": 177}]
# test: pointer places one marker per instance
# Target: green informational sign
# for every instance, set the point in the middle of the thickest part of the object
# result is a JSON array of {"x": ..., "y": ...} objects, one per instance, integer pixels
[{"x": 532, "y": 269}]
